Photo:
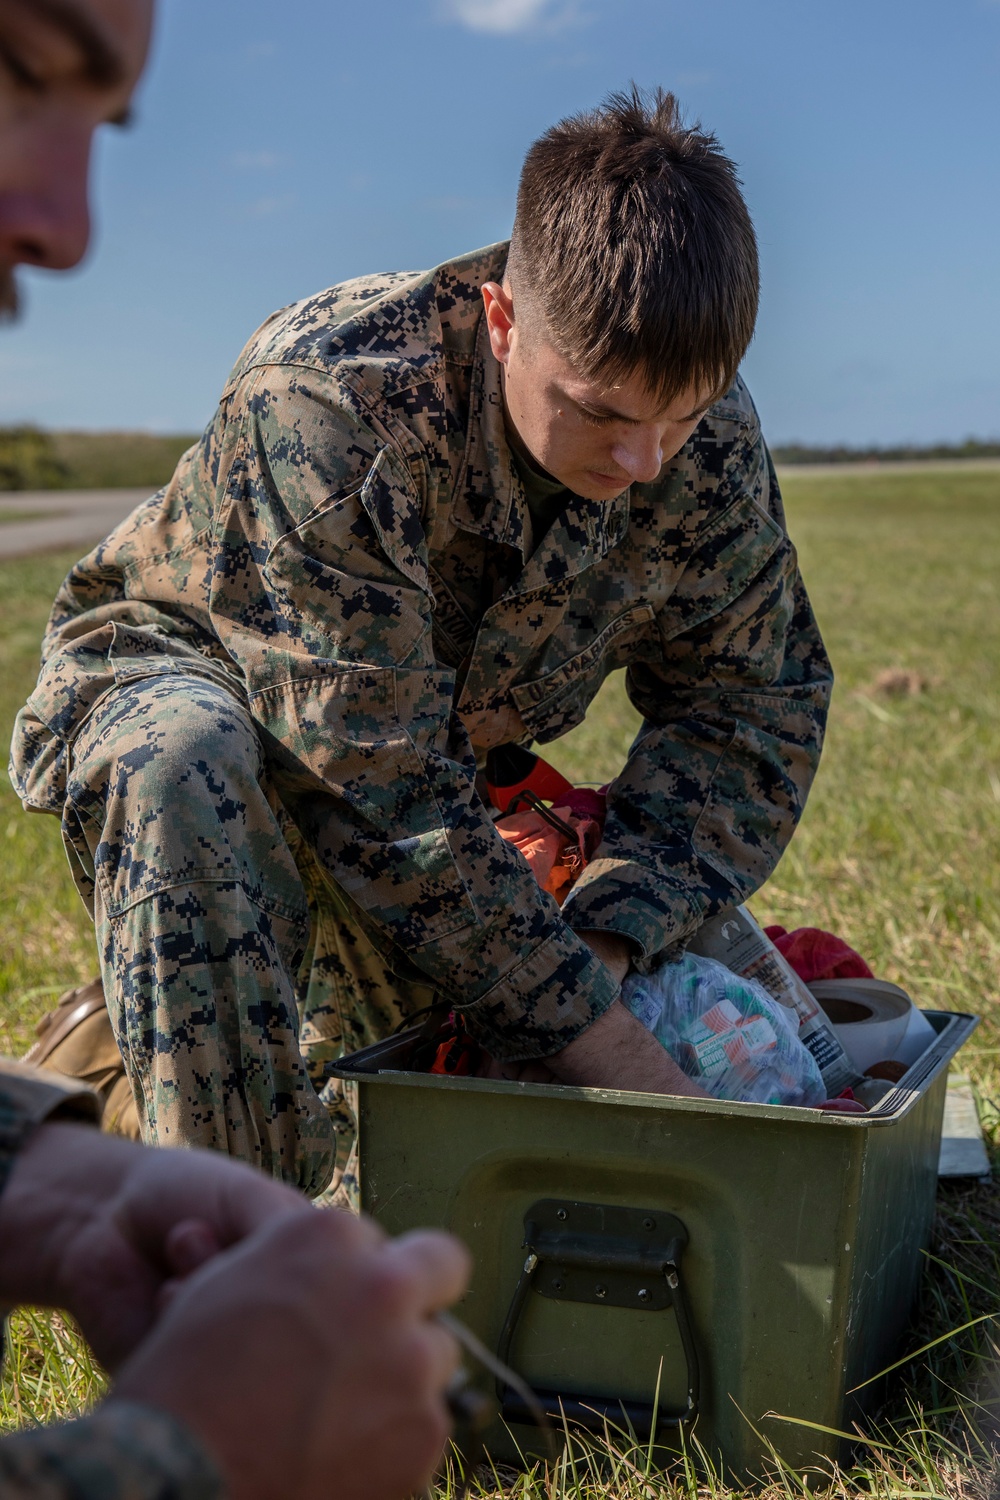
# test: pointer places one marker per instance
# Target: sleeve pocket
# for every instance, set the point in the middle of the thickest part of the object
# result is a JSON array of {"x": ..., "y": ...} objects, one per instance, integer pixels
[
  {"x": 552, "y": 704},
  {"x": 351, "y": 581}
]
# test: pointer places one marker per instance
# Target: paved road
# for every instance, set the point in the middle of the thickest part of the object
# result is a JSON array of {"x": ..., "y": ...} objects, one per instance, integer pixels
[
  {"x": 79, "y": 518},
  {"x": 61, "y": 518}
]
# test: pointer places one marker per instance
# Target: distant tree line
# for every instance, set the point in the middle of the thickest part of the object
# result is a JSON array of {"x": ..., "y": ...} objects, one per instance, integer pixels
[
  {"x": 808, "y": 453},
  {"x": 34, "y": 459},
  {"x": 28, "y": 460}
]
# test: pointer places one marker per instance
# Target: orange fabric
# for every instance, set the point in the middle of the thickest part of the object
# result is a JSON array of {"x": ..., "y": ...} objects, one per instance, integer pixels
[
  {"x": 529, "y": 773},
  {"x": 556, "y": 861}
]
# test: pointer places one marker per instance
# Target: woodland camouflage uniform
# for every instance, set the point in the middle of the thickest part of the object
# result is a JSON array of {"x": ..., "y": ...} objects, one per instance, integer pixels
[{"x": 264, "y": 698}]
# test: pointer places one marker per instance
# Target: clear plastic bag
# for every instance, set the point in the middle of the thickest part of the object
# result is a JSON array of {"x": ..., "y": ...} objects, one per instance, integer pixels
[{"x": 725, "y": 1032}]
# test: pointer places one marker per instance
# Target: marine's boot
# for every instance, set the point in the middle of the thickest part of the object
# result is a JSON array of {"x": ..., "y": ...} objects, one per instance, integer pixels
[{"x": 77, "y": 1040}]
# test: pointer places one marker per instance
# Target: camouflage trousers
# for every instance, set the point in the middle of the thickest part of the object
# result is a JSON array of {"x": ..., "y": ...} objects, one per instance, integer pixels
[{"x": 233, "y": 970}]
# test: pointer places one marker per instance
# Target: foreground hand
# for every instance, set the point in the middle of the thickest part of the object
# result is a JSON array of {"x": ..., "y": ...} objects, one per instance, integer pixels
[
  {"x": 307, "y": 1359},
  {"x": 100, "y": 1226}
]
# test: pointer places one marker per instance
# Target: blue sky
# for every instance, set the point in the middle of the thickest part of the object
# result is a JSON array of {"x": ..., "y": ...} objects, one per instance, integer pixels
[{"x": 279, "y": 148}]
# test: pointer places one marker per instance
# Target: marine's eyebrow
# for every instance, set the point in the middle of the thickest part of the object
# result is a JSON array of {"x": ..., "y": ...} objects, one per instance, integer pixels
[
  {"x": 598, "y": 409},
  {"x": 103, "y": 64},
  {"x": 699, "y": 411}
]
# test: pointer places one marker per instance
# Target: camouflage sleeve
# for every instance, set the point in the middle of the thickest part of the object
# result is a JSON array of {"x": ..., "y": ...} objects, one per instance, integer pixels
[
  {"x": 28, "y": 1096},
  {"x": 123, "y": 1451},
  {"x": 735, "y": 709},
  {"x": 322, "y": 596}
]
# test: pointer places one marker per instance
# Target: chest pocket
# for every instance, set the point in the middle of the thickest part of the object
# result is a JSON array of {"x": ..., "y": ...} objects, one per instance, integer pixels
[{"x": 553, "y": 704}]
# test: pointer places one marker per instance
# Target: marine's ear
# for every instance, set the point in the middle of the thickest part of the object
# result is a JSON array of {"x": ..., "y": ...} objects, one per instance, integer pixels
[{"x": 499, "y": 307}]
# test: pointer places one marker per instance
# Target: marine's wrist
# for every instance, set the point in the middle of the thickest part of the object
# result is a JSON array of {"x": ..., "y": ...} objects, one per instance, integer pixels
[
  {"x": 597, "y": 1051},
  {"x": 615, "y": 951},
  {"x": 618, "y": 1052}
]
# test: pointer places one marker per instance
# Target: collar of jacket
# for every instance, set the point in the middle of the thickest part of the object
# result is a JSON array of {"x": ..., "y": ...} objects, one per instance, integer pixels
[{"x": 489, "y": 496}]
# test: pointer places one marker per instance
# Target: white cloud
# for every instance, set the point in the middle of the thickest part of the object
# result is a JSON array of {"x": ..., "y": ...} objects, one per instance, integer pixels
[
  {"x": 504, "y": 17},
  {"x": 257, "y": 161}
]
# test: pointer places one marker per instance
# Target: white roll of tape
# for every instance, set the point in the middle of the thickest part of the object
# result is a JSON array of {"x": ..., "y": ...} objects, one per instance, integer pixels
[{"x": 872, "y": 1018}]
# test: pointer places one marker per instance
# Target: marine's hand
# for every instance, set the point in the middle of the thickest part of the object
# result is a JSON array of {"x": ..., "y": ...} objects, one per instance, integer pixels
[
  {"x": 308, "y": 1361},
  {"x": 617, "y": 1052},
  {"x": 535, "y": 1070},
  {"x": 100, "y": 1225}
]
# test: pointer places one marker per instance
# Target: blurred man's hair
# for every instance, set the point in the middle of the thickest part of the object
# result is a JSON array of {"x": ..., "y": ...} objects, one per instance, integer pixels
[{"x": 634, "y": 246}]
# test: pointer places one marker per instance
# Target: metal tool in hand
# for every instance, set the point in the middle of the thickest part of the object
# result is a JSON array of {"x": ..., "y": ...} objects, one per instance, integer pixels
[{"x": 473, "y": 1410}]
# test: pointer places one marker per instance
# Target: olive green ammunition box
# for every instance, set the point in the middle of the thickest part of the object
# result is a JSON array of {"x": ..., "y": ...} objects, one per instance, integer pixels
[{"x": 753, "y": 1262}]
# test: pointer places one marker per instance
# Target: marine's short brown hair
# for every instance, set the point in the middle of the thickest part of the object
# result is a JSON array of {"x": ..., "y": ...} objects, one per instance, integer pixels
[{"x": 632, "y": 241}]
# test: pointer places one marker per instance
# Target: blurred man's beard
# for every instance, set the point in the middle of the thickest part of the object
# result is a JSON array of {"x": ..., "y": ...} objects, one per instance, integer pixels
[{"x": 8, "y": 295}]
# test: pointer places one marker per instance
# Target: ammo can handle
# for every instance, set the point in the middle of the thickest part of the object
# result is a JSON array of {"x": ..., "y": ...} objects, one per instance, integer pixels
[{"x": 591, "y": 1412}]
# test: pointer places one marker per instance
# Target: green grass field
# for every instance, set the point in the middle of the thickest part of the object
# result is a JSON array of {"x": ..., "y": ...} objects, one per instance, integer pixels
[
  {"x": 10, "y": 517},
  {"x": 897, "y": 852}
]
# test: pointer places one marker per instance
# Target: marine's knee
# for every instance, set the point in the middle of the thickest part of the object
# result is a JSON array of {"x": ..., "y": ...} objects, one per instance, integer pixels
[{"x": 163, "y": 741}]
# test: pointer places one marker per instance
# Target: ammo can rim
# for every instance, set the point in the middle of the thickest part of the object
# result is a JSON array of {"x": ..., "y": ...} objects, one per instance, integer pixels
[{"x": 953, "y": 1027}]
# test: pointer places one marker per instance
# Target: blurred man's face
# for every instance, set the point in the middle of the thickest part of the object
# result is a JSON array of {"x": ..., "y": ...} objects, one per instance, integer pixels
[{"x": 66, "y": 67}]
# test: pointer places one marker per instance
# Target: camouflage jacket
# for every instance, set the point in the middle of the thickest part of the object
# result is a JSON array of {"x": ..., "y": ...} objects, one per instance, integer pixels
[
  {"x": 349, "y": 546},
  {"x": 123, "y": 1451}
]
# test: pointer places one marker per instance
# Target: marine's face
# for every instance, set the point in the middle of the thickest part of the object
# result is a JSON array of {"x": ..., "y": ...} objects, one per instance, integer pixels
[
  {"x": 66, "y": 67},
  {"x": 596, "y": 439}
]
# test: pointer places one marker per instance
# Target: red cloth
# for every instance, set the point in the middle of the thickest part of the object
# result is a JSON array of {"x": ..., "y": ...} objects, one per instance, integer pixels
[{"x": 815, "y": 954}]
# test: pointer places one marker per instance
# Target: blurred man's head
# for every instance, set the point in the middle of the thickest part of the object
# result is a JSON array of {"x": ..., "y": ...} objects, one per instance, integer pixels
[
  {"x": 66, "y": 67},
  {"x": 630, "y": 295}
]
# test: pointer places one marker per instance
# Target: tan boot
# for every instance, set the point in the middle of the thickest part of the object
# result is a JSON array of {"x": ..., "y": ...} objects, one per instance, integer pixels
[{"x": 76, "y": 1039}]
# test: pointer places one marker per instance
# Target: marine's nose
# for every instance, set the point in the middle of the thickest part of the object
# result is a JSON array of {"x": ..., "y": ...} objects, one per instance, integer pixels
[
  {"x": 641, "y": 457},
  {"x": 44, "y": 214}
]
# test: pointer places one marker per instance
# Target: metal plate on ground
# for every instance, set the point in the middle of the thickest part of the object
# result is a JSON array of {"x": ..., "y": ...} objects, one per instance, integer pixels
[{"x": 963, "y": 1151}]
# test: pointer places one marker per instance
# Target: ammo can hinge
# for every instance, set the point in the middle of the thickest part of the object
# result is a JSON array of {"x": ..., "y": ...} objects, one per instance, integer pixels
[{"x": 604, "y": 1254}]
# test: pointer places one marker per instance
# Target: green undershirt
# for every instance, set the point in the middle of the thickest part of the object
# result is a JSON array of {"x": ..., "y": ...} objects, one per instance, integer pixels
[{"x": 545, "y": 497}]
